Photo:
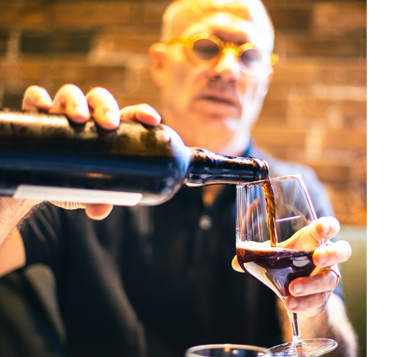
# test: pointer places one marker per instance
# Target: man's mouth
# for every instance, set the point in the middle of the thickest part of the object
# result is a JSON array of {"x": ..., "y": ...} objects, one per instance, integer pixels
[{"x": 219, "y": 99}]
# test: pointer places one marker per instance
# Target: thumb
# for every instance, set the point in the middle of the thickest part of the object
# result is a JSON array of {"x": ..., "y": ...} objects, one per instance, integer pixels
[
  {"x": 316, "y": 233},
  {"x": 93, "y": 210},
  {"x": 236, "y": 266}
]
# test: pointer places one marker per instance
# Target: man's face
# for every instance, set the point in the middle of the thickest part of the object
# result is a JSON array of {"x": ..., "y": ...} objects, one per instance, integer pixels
[{"x": 213, "y": 106}]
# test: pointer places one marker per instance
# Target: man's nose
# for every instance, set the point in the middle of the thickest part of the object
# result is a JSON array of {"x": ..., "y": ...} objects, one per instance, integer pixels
[{"x": 228, "y": 65}]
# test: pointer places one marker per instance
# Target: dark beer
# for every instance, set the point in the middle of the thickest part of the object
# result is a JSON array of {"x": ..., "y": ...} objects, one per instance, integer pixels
[
  {"x": 270, "y": 202},
  {"x": 275, "y": 267}
]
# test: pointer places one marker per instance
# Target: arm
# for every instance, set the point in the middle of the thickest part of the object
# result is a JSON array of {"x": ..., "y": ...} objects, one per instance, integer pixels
[{"x": 12, "y": 252}]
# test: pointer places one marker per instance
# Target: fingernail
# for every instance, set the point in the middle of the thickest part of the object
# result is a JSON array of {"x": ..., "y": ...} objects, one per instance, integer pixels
[
  {"x": 292, "y": 304},
  {"x": 298, "y": 287}
]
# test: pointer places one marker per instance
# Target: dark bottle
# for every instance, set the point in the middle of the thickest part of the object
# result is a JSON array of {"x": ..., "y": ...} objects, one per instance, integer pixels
[{"x": 47, "y": 157}]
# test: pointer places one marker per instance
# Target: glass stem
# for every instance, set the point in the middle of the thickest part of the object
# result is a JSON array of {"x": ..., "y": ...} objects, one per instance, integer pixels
[{"x": 296, "y": 338}]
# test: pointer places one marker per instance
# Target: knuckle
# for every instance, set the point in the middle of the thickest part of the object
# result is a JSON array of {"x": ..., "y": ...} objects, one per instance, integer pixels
[
  {"x": 336, "y": 255},
  {"x": 101, "y": 97},
  {"x": 69, "y": 89},
  {"x": 68, "y": 86},
  {"x": 33, "y": 92},
  {"x": 321, "y": 299},
  {"x": 320, "y": 283},
  {"x": 68, "y": 93},
  {"x": 145, "y": 107},
  {"x": 332, "y": 280},
  {"x": 310, "y": 302},
  {"x": 99, "y": 91},
  {"x": 33, "y": 88},
  {"x": 35, "y": 96},
  {"x": 314, "y": 230},
  {"x": 329, "y": 281},
  {"x": 315, "y": 300}
]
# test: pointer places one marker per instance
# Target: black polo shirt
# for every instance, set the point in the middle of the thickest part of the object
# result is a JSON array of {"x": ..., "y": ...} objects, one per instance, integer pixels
[{"x": 156, "y": 280}]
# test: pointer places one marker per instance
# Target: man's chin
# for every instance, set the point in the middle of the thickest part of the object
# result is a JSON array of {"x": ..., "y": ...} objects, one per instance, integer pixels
[
  {"x": 220, "y": 122},
  {"x": 216, "y": 110}
]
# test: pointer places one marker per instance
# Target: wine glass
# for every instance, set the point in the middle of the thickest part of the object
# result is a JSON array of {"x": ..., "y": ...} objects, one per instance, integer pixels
[
  {"x": 227, "y": 350},
  {"x": 269, "y": 213}
]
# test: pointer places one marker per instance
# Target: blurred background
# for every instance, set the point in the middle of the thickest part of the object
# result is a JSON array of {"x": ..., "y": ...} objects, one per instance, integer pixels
[{"x": 314, "y": 113}]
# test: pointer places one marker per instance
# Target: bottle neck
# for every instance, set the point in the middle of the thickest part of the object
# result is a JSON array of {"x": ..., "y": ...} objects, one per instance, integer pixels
[{"x": 208, "y": 168}]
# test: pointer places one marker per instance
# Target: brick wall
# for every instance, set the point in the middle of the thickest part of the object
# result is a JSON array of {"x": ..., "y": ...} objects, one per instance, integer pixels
[{"x": 314, "y": 113}]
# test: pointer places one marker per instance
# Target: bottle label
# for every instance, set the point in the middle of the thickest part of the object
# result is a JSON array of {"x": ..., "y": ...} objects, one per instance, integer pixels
[{"x": 45, "y": 193}]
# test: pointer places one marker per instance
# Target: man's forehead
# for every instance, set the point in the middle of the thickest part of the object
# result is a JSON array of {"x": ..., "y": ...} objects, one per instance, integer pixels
[
  {"x": 228, "y": 27},
  {"x": 229, "y": 16}
]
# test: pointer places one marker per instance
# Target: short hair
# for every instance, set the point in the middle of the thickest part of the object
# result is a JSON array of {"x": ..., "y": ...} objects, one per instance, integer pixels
[{"x": 257, "y": 13}]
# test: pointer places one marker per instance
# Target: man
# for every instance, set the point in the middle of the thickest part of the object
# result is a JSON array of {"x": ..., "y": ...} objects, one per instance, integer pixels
[{"x": 157, "y": 280}]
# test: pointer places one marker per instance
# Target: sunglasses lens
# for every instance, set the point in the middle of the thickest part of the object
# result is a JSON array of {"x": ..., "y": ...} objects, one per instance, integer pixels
[
  {"x": 205, "y": 49},
  {"x": 253, "y": 59}
]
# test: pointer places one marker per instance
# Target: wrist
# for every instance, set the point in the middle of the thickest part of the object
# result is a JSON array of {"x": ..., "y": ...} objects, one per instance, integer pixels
[{"x": 12, "y": 211}]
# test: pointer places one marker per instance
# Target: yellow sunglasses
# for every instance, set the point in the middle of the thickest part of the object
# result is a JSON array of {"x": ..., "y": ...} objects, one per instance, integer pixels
[{"x": 205, "y": 50}]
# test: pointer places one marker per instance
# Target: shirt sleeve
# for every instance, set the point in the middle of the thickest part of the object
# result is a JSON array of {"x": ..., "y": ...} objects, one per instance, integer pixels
[{"x": 43, "y": 234}]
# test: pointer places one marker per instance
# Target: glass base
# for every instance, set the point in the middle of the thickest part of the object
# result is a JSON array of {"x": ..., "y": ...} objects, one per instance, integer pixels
[{"x": 309, "y": 348}]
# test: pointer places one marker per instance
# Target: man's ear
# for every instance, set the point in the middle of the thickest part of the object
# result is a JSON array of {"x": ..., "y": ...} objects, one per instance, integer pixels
[{"x": 157, "y": 53}]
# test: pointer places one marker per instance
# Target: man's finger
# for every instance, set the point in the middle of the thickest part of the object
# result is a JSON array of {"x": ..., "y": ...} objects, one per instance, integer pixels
[
  {"x": 104, "y": 107},
  {"x": 322, "y": 229},
  {"x": 71, "y": 101},
  {"x": 314, "y": 234},
  {"x": 93, "y": 210},
  {"x": 98, "y": 211},
  {"x": 332, "y": 254},
  {"x": 142, "y": 112},
  {"x": 326, "y": 228},
  {"x": 306, "y": 303},
  {"x": 236, "y": 266},
  {"x": 36, "y": 98},
  {"x": 325, "y": 281}
]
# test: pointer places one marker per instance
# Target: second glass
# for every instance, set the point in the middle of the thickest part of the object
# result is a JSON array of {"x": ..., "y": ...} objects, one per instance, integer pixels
[{"x": 227, "y": 350}]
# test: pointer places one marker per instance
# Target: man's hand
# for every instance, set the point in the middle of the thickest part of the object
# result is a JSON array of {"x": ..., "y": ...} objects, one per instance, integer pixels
[
  {"x": 98, "y": 103},
  {"x": 312, "y": 292}
]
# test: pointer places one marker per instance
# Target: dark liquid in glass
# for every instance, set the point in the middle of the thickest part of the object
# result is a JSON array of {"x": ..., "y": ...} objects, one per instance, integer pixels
[
  {"x": 270, "y": 201},
  {"x": 276, "y": 267}
]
